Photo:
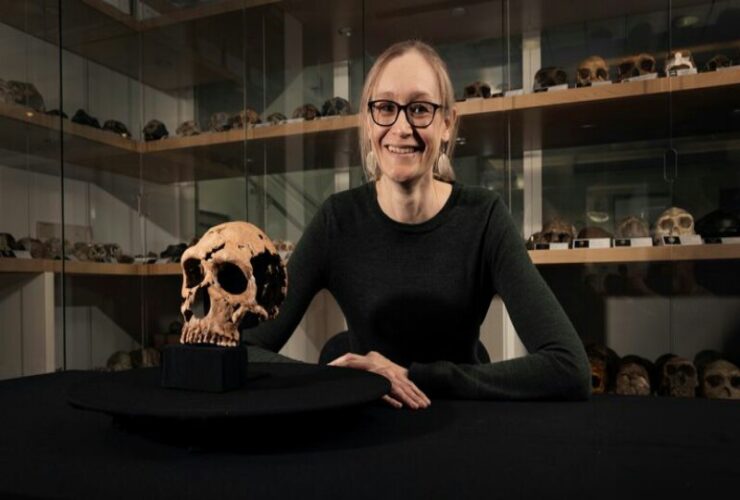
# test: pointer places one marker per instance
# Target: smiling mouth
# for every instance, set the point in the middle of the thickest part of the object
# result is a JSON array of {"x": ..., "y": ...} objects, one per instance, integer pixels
[{"x": 403, "y": 150}]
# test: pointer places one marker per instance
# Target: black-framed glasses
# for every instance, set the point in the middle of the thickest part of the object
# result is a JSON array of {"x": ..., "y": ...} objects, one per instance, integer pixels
[{"x": 419, "y": 114}]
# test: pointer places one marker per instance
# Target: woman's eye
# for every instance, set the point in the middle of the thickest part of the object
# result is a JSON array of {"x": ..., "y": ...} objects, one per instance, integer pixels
[
  {"x": 419, "y": 109},
  {"x": 386, "y": 108}
]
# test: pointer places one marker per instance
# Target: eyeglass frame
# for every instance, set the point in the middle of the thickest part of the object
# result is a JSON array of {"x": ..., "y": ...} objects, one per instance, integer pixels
[{"x": 404, "y": 108}]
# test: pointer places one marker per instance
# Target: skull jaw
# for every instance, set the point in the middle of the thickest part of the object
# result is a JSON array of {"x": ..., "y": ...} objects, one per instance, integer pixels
[
  {"x": 633, "y": 386},
  {"x": 681, "y": 392},
  {"x": 202, "y": 331}
]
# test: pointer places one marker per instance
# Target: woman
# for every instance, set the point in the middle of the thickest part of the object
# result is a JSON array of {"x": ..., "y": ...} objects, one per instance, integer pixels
[{"x": 414, "y": 258}]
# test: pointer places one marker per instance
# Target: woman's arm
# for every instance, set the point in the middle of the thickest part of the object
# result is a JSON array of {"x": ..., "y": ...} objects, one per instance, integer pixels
[{"x": 556, "y": 366}]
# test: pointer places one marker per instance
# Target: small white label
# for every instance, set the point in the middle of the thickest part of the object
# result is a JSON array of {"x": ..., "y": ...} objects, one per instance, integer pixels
[
  {"x": 559, "y": 246},
  {"x": 684, "y": 71},
  {"x": 260, "y": 125},
  {"x": 647, "y": 76},
  {"x": 728, "y": 240},
  {"x": 555, "y": 88},
  {"x": 601, "y": 84},
  {"x": 22, "y": 254},
  {"x": 473, "y": 99},
  {"x": 592, "y": 243},
  {"x": 514, "y": 92},
  {"x": 730, "y": 68},
  {"x": 686, "y": 240},
  {"x": 633, "y": 242},
  {"x": 294, "y": 120}
]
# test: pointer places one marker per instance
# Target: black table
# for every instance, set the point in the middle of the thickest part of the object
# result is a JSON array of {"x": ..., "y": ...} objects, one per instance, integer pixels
[{"x": 608, "y": 447}]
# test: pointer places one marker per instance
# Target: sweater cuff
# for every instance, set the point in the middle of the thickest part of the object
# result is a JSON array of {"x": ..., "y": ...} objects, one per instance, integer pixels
[{"x": 429, "y": 377}]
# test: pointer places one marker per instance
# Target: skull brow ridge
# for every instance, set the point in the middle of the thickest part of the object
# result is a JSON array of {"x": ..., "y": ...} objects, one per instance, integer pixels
[{"x": 216, "y": 249}]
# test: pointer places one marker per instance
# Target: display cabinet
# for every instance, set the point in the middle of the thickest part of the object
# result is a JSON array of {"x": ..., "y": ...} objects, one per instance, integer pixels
[{"x": 227, "y": 80}]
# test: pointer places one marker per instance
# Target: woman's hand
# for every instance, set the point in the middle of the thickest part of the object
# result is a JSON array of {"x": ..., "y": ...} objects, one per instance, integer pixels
[{"x": 403, "y": 390}]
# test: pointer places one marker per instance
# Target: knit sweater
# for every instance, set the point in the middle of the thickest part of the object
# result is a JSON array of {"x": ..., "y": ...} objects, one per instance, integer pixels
[{"x": 418, "y": 293}]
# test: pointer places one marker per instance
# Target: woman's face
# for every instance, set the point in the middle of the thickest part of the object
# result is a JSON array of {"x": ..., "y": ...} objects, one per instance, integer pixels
[{"x": 405, "y": 153}]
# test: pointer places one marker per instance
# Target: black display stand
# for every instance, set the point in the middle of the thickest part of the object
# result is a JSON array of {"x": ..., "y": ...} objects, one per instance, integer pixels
[{"x": 204, "y": 367}]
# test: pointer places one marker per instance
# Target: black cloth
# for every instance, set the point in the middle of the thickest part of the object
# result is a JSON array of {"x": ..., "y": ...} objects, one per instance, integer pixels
[
  {"x": 606, "y": 447},
  {"x": 418, "y": 293}
]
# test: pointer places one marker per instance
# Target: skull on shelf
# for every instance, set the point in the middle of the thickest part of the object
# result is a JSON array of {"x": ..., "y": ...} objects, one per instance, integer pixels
[
  {"x": 188, "y": 128},
  {"x": 592, "y": 69},
  {"x": 633, "y": 376},
  {"x": 678, "y": 377},
  {"x": 34, "y": 247},
  {"x": 277, "y": 118},
  {"x": 678, "y": 59},
  {"x": 548, "y": 77},
  {"x": 173, "y": 252},
  {"x": 26, "y": 94},
  {"x": 603, "y": 362},
  {"x": 633, "y": 226},
  {"x": 113, "y": 252},
  {"x": 718, "y": 223},
  {"x": 674, "y": 222},
  {"x": 82, "y": 118},
  {"x": 558, "y": 230},
  {"x": 233, "y": 276},
  {"x": 631, "y": 66},
  {"x": 336, "y": 106},
  {"x": 7, "y": 245},
  {"x": 247, "y": 116},
  {"x": 720, "y": 380},
  {"x": 307, "y": 112},
  {"x": 718, "y": 61},
  {"x": 117, "y": 128},
  {"x": 155, "y": 130},
  {"x": 219, "y": 122},
  {"x": 56, "y": 249},
  {"x": 477, "y": 89},
  {"x": 119, "y": 361}
]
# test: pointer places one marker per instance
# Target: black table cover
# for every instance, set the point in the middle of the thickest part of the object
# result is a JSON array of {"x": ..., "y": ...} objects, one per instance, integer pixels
[{"x": 608, "y": 447}]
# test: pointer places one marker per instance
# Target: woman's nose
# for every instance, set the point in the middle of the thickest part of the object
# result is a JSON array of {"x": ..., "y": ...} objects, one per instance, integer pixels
[{"x": 402, "y": 125}]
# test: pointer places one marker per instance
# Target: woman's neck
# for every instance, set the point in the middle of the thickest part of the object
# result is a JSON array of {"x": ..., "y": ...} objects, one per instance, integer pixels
[{"x": 412, "y": 203}]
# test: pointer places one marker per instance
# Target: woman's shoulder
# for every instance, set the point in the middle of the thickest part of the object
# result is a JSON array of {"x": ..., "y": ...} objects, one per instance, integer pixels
[{"x": 478, "y": 196}]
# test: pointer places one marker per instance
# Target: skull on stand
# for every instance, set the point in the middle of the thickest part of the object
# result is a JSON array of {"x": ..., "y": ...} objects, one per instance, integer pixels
[
  {"x": 592, "y": 69},
  {"x": 678, "y": 376},
  {"x": 721, "y": 380},
  {"x": 632, "y": 66},
  {"x": 232, "y": 277},
  {"x": 674, "y": 222}
]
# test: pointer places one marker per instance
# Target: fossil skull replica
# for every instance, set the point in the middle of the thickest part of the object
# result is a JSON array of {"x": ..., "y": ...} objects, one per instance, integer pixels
[
  {"x": 188, "y": 128},
  {"x": 232, "y": 276},
  {"x": 558, "y": 230},
  {"x": 549, "y": 77},
  {"x": 674, "y": 222},
  {"x": 598, "y": 372},
  {"x": 679, "y": 59},
  {"x": 678, "y": 376},
  {"x": 307, "y": 112},
  {"x": 633, "y": 226},
  {"x": 247, "y": 116},
  {"x": 336, "y": 106},
  {"x": 641, "y": 64},
  {"x": 219, "y": 122},
  {"x": 155, "y": 130},
  {"x": 477, "y": 89},
  {"x": 721, "y": 380},
  {"x": 633, "y": 378},
  {"x": 276, "y": 118},
  {"x": 592, "y": 69},
  {"x": 718, "y": 61}
]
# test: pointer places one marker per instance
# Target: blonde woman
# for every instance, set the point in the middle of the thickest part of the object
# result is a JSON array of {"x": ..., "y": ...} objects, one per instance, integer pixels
[{"x": 414, "y": 259}]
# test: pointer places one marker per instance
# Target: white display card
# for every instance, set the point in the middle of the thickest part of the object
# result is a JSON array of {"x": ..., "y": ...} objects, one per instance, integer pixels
[
  {"x": 648, "y": 76},
  {"x": 592, "y": 243},
  {"x": 689, "y": 239},
  {"x": 633, "y": 242}
]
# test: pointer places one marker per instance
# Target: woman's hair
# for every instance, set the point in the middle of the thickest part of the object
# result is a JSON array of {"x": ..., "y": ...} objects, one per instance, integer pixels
[{"x": 444, "y": 171}]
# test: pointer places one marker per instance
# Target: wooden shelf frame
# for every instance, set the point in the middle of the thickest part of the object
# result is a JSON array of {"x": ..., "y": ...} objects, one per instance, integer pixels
[{"x": 12, "y": 265}]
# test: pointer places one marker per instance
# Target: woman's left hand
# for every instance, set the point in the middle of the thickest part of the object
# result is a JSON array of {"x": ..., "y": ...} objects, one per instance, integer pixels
[{"x": 403, "y": 390}]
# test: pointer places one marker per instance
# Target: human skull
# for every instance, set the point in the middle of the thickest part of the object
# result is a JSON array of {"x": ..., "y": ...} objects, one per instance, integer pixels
[
  {"x": 113, "y": 252},
  {"x": 558, "y": 230},
  {"x": 592, "y": 69},
  {"x": 7, "y": 245},
  {"x": 277, "y": 118},
  {"x": 233, "y": 276},
  {"x": 721, "y": 380},
  {"x": 678, "y": 377},
  {"x": 477, "y": 89},
  {"x": 632, "y": 66},
  {"x": 633, "y": 226},
  {"x": 674, "y": 222},
  {"x": 548, "y": 77},
  {"x": 56, "y": 249},
  {"x": 247, "y": 116},
  {"x": 219, "y": 122},
  {"x": 598, "y": 373},
  {"x": 119, "y": 361},
  {"x": 155, "y": 130},
  {"x": 678, "y": 59},
  {"x": 336, "y": 106},
  {"x": 82, "y": 118},
  {"x": 188, "y": 128},
  {"x": 117, "y": 128},
  {"x": 718, "y": 61},
  {"x": 26, "y": 94},
  {"x": 34, "y": 247},
  {"x": 633, "y": 378},
  {"x": 307, "y": 112}
]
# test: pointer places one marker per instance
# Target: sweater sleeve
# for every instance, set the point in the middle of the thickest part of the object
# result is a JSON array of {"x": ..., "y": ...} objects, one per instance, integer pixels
[
  {"x": 307, "y": 268},
  {"x": 556, "y": 366}
]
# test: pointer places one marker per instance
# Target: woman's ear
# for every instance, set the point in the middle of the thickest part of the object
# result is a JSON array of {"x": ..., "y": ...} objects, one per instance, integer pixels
[{"x": 449, "y": 121}]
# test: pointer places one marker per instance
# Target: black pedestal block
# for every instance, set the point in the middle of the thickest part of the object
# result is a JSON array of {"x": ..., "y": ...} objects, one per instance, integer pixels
[{"x": 207, "y": 368}]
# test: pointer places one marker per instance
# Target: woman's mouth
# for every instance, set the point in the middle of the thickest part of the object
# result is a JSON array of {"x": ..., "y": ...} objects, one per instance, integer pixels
[{"x": 403, "y": 150}]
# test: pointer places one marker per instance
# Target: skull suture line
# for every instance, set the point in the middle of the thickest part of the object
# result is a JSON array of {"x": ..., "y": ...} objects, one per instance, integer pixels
[{"x": 233, "y": 276}]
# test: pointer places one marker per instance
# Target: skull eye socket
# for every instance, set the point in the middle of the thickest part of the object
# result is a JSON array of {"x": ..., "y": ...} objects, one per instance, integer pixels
[
  {"x": 625, "y": 67},
  {"x": 685, "y": 222},
  {"x": 670, "y": 369},
  {"x": 193, "y": 272},
  {"x": 687, "y": 370},
  {"x": 486, "y": 91},
  {"x": 601, "y": 73},
  {"x": 646, "y": 65},
  {"x": 666, "y": 224},
  {"x": 231, "y": 278},
  {"x": 584, "y": 73},
  {"x": 595, "y": 381},
  {"x": 714, "y": 380},
  {"x": 735, "y": 381}
]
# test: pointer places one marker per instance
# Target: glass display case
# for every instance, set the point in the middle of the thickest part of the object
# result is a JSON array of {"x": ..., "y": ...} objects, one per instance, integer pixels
[{"x": 582, "y": 114}]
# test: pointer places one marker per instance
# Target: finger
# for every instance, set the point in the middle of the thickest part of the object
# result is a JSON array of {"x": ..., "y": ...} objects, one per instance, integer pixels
[
  {"x": 408, "y": 388},
  {"x": 406, "y": 396},
  {"x": 357, "y": 362},
  {"x": 420, "y": 394},
  {"x": 343, "y": 360},
  {"x": 393, "y": 402}
]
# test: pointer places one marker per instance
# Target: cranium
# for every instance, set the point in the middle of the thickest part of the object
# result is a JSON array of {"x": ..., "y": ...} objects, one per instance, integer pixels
[
  {"x": 277, "y": 118},
  {"x": 602, "y": 361},
  {"x": 119, "y": 361},
  {"x": 81, "y": 117},
  {"x": 26, "y": 94},
  {"x": 285, "y": 249},
  {"x": 219, "y": 122},
  {"x": 558, "y": 230},
  {"x": 336, "y": 106},
  {"x": 477, "y": 89},
  {"x": 247, "y": 116},
  {"x": 113, "y": 252},
  {"x": 233, "y": 276},
  {"x": 718, "y": 223},
  {"x": 674, "y": 222},
  {"x": 632, "y": 66},
  {"x": 633, "y": 378},
  {"x": 56, "y": 249},
  {"x": 721, "y": 380},
  {"x": 592, "y": 69},
  {"x": 155, "y": 130},
  {"x": 548, "y": 77},
  {"x": 7, "y": 245},
  {"x": 117, "y": 128},
  {"x": 718, "y": 61},
  {"x": 307, "y": 112},
  {"x": 678, "y": 59},
  {"x": 678, "y": 377},
  {"x": 188, "y": 128},
  {"x": 633, "y": 226},
  {"x": 34, "y": 247}
]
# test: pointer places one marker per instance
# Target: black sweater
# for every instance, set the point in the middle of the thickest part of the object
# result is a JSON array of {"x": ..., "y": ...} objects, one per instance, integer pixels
[{"x": 418, "y": 293}]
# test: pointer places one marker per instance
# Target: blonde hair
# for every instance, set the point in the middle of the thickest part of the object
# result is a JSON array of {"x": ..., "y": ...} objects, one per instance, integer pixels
[{"x": 442, "y": 170}]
